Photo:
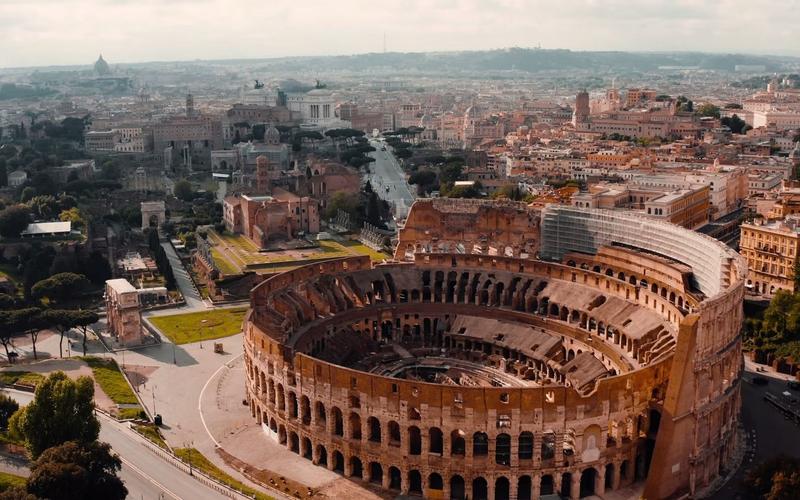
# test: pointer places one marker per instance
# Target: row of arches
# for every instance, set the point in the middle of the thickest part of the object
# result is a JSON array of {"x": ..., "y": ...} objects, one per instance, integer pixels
[
  {"x": 573, "y": 484},
  {"x": 668, "y": 293}
]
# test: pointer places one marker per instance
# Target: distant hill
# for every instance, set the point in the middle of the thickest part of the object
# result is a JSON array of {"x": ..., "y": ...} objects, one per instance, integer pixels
[{"x": 528, "y": 60}]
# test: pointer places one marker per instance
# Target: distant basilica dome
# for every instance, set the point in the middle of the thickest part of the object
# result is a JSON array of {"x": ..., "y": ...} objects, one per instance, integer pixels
[{"x": 101, "y": 66}]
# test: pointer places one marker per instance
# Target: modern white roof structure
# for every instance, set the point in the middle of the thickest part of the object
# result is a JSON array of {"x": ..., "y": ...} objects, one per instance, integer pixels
[
  {"x": 120, "y": 285},
  {"x": 47, "y": 228}
]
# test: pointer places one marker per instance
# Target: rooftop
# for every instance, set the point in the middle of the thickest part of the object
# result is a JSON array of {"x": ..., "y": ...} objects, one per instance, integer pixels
[{"x": 47, "y": 228}]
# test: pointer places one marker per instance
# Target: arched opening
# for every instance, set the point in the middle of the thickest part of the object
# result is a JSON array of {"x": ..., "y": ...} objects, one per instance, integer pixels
[
  {"x": 414, "y": 482},
  {"x": 480, "y": 444},
  {"x": 305, "y": 410},
  {"x": 524, "y": 488},
  {"x": 319, "y": 409},
  {"x": 292, "y": 405},
  {"x": 457, "y": 489},
  {"x": 435, "y": 482},
  {"x": 548, "y": 445},
  {"x": 546, "y": 485},
  {"x": 307, "y": 449},
  {"x": 503, "y": 449},
  {"x": 338, "y": 422},
  {"x": 457, "y": 443},
  {"x": 282, "y": 434},
  {"x": 375, "y": 473},
  {"x": 394, "y": 433},
  {"x": 566, "y": 485},
  {"x": 609, "y": 478},
  {"x": 355, "y": 426},
  {"x": 502, "y": 489},
  {"x": 525, "y": 446},
  {"x": 414, "y": 441},
  {"x": 356, "y": 469},
  {"x": 624, "y": 471},
  {"x": 374, "y": 429},
  {"x": 338, "y": 462},
  {"x": 273, "y": 425},
  {"x": 436, "y": 440},
  {"x": 322, "y": 455},
  {"x": 395, "y": 478},
  {"x": 588, "y": 478},
  {"x": 480, "y": 490},
  {"x": 294, "y": 442}
]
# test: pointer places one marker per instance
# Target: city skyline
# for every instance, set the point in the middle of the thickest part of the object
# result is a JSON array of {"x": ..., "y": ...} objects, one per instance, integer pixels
[{"x": 46, "y": 33}]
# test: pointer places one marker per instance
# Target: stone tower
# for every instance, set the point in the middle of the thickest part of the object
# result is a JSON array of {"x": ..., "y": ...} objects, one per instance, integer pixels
[
  {"x": 262, "y": 175},
  {"x": 581, "y": 113},
  {"x": 189, "y": 105}
]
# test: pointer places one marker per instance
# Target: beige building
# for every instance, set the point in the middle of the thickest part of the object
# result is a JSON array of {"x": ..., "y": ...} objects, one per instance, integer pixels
[
  {"x": 771, "y": 250},
  {"x": 122, "y": 310}
]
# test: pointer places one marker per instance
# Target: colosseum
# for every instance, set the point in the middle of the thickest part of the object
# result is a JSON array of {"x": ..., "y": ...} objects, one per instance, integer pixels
[{"x": 508, "y": 352}]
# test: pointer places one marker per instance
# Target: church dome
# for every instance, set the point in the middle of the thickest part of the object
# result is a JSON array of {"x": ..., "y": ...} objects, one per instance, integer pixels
[{"x": 101, "y": 66}]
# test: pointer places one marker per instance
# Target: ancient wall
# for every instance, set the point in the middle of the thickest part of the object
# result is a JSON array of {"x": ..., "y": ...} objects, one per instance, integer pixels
[{"x": 669, "y": 413}]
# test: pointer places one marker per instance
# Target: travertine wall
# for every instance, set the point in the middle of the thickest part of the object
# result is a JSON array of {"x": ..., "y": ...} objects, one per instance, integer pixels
[{"x": 670, "y": 417}]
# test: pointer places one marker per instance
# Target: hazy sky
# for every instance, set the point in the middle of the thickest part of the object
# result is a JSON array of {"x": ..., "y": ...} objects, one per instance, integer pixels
[{"x": 43, "y": 32}]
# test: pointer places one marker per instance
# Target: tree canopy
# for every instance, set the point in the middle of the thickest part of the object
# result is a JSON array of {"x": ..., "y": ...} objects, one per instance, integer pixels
[
  {"x": 60, "y": 286},
  {"x": 76, "y": 471},
  {"x": 775, "y": 479},
  {"x": 62, "y": 410},
  {"x": 13, "y": 220},
  {"x": 183, "y": 190}
]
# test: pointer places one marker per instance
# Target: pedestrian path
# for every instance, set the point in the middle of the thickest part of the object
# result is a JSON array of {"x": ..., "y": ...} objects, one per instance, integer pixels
[{"x": 182, "y": 278}]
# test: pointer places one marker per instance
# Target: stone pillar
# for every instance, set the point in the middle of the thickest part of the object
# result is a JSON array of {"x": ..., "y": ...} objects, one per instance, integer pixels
[
  {"x": 489, "y": 488},
  {"x": 536, "y": 483},
  {"x": 348, "y": 468},
  {"x": 513, "y": 483},
  {"x": 575, "y": 487},
  {"x": 615, "y": 477},
  {"x": 385, "y": 478},
  {"x": 600, "y": 482}
]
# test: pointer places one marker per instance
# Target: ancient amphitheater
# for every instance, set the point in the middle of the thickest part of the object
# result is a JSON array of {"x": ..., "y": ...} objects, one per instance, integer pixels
[{"x": 508, "y": 353}]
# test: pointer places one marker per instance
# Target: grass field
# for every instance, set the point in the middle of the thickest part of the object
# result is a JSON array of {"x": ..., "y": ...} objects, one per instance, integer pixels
[
  {"x": 20, "y": 377},
  {"x": 200, "y": 462},
  {"x": 10, "y": 480},
  {"x": 362, "y": 249},
  {"x": 110, "y": 379},
  {"x": 205, "y": 325},
  {"x": 223, "y": 264},
  {"x": 151, "y": 433}
]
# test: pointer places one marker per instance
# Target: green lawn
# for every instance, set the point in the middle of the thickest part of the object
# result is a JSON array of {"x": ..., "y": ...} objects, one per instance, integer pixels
[
  {"x": 200, "y": 462},
  {"x": 205, "y": 325},
  {"x": 10, "y": 480},
  {"x": 21, "y": 377},
  {"x": 110, "y": 379},
  {"x": 363, "y": 249},
  {"x": 151, "y": 433},
  {"x": 223, "y": 264}
]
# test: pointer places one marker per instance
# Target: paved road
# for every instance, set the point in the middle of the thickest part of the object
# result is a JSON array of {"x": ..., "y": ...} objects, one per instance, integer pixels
[
  {"x": 182, "y": 279},
  {"x": 386, "y": 172},
  {"x": 768, "y": 432},
  {"x": 147, "y": 476}
]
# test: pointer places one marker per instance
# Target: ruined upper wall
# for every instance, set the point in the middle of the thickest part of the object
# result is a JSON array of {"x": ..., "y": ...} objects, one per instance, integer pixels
[{"x": 490, "y": 227}]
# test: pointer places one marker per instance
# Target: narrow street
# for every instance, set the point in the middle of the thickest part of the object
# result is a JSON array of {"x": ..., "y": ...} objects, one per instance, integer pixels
[{"x": 389, "y": 180}]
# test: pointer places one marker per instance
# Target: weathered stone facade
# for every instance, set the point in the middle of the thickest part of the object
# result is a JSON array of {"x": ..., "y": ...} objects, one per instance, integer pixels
[{"x": 499, "y": 377}]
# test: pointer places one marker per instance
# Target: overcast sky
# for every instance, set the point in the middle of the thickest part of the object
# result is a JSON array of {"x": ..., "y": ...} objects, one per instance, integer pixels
[{"x": 44, "y": 32}]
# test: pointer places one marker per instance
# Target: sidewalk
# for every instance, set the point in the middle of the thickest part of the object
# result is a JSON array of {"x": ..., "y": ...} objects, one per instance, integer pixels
[{"x": 182, "y": 279}]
